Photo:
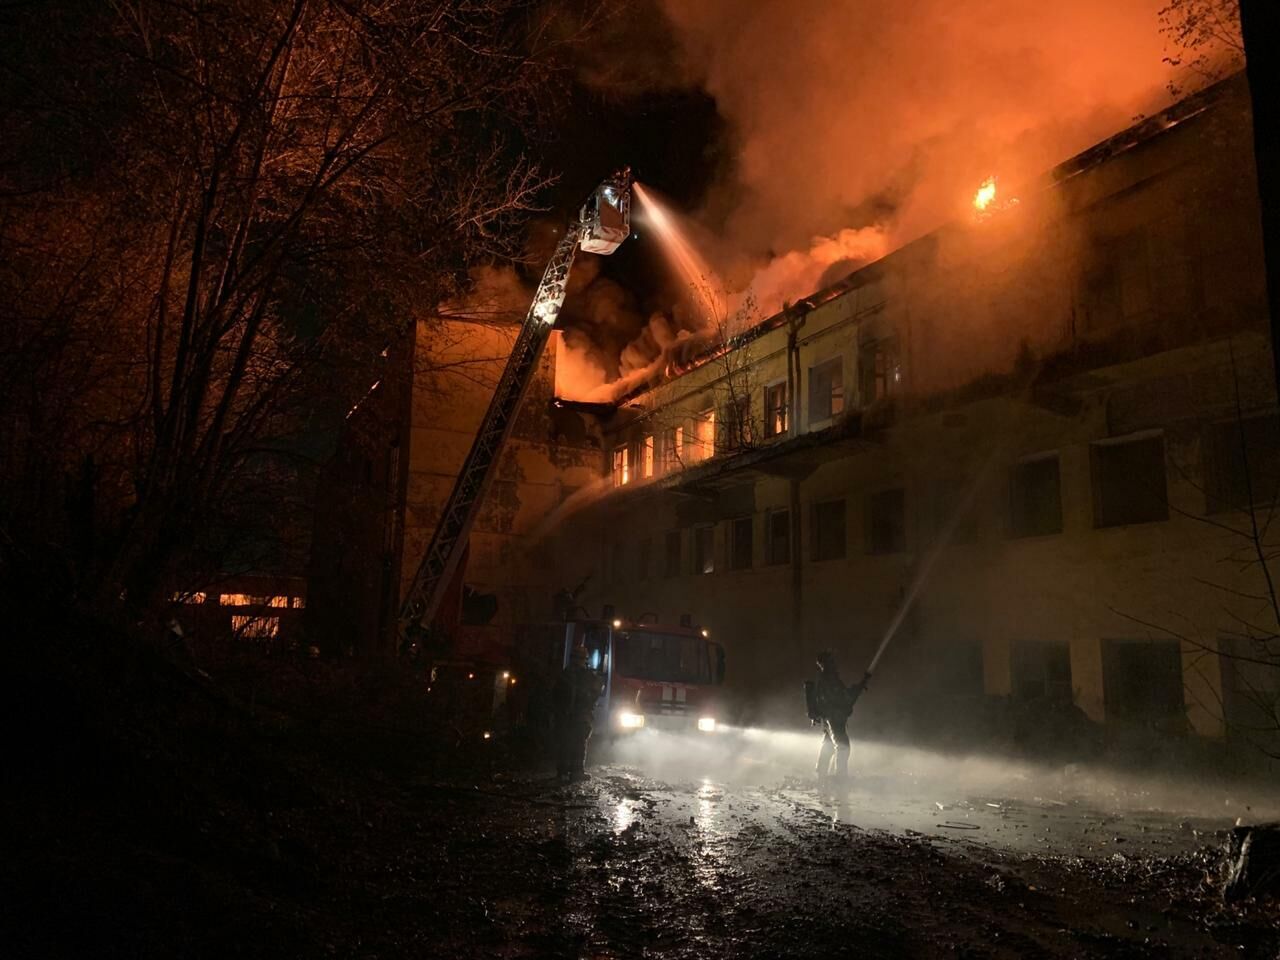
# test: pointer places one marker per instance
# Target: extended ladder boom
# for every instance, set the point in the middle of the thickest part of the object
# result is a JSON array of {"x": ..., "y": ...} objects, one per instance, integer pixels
[{"x": 603, "y": 223}]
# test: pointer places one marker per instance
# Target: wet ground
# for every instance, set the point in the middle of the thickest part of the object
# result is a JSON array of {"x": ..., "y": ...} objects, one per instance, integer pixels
[
  {"x": 315, "y": 838},
  {"x": 723, "y": 847}
]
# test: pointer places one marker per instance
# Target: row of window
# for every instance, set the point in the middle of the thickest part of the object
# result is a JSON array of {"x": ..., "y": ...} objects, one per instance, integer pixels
[
  {"x": 241, "y": 600},
  {"x": 1129, "y": 487},
  {"x": 732, "y": 427}
]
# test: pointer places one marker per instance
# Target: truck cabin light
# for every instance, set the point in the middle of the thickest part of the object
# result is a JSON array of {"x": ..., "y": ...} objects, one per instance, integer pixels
[
  {"x": 707, "y": 724},
  {"x": 487, "y": 735},
  {"x": 617, "y": 624},
  {"x": 631, "y": 721},
  {"x": 506, "y": 674},
  {"x": 705, "y": 632}
]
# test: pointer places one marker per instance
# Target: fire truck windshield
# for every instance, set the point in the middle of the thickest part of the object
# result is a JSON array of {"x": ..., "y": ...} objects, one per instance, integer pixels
[{"x": 662, "y": 656}]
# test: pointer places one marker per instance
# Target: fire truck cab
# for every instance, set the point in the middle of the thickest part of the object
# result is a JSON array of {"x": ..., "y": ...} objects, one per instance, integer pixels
[{"x": 655, "y": 676}]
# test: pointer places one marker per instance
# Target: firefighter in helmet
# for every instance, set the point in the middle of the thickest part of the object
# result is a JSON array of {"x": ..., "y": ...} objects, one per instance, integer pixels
[
  {"x": 833, "y": 702},
  {"x": 574, "y": 701}
]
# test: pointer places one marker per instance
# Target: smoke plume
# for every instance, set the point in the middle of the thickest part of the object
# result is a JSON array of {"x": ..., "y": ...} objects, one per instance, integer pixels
[{"x": 859, "y": 125}]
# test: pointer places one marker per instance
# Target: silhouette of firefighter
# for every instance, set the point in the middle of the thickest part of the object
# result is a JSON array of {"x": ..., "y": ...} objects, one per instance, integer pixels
[
  {"x": 573, "y": 701},
  {"x": 830, "y": 702}
]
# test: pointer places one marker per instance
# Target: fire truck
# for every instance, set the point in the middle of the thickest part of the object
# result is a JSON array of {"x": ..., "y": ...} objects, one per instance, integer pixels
[{"x": 655, "y": 676}]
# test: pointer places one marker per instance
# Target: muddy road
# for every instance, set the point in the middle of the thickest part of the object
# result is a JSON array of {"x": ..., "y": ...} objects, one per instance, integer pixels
[{"x": 698, "y": 847}]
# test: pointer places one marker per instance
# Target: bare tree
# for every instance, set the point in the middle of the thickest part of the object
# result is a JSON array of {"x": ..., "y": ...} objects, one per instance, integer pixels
[
  {"x": 1202, "y": 36},
  {"x": 215, "y": 212}
]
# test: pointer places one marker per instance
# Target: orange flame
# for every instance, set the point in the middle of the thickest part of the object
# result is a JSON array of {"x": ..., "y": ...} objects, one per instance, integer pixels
[{"x": 986, "y": 193}]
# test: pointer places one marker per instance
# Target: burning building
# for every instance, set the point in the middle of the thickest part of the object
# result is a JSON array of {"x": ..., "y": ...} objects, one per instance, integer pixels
[{"x": 1036, "y": 439}]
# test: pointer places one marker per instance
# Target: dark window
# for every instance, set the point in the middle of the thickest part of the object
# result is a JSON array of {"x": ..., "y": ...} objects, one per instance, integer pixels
[
  {"x": 879, "y": 370},
  {"x": 1035, "y": 497},
  {"x": 1129, "y": 482},
  {"x": 775, "y": 410},
  {"x": 1042, "y": 670},
  {"x": 1142, "y": 682},
  {"x": 827, "y": 535},
  {"x": 704, "y": 554},
  {"x": 671, "y": 554},
  {"x": 735, "y": 425},
  {"x": 886, "y": 522},
  {"x": 778, "y": 537},
  {"x": 1242, "y": 463},
  {"x": 642, "y": 559},
  {"x": 740, "y": 543},
  {"x": 826, "y": 390},
  {"x": 1116, "y": 284}
]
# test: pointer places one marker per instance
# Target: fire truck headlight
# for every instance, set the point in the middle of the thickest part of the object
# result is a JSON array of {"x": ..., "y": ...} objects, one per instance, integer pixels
[
  {"x": 707, "y": 724},
  {"x": 631, "y": 721}
]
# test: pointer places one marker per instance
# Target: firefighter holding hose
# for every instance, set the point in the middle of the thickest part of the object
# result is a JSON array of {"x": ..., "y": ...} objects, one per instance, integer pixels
[
  {"x": 574, "y": 701},
  {"x": 830, "y": 702}
]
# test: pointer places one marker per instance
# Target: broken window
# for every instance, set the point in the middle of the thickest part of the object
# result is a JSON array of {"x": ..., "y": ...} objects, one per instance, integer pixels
[
  {"x": 827, "y": 535},
  {"x": 777, "y": 537},
  {"x": 1042, "y": 670},
  {"x": 879, "y": 369},
  {"x": 735, "y": 423},
  {"x": 775, "y": 409},
  {"x": 740, "y": 543},
  {"x": 642, "y": 558},
  {"x": 672, "y": 449},
  {"x": 1241, "y": 463},
  {"x": 1035, "y": 497},
  {"x": 621, "y": 465},
  {"x": 704, "y": 559},
  {"x": 1116, "y": 282},
  {"x": 703, "y": 439},
  {"x": 671, "y": 554},
  {"x": 826, "y": 390},
  {"x": 886, "y": 522},
  {"x": 1129, "y": 481},
  {"x": 646, "y": 457}
]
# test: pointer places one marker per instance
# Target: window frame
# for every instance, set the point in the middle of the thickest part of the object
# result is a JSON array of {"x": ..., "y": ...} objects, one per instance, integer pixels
[
  {"x": 777, "y": 420},
  {"x": 815, "y": 526},
  {"x": 736, "y": 525},
  {"x": 831, "y": 363},
  {"x": 1011, "y": 517},
  {"x": 700, "y": 562},
  {"x": 1097, "y": 454}
]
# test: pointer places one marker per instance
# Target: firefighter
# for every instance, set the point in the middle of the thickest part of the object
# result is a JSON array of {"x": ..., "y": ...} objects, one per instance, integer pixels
[
  {"x": 574, "y": 701},
  {"x": 833, "y": 702}
]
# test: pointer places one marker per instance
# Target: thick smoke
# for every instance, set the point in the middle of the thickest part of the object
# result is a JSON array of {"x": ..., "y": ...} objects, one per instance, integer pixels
[
  {"x": 851, "y": 113},
  {"x": 861, "y": 124}
]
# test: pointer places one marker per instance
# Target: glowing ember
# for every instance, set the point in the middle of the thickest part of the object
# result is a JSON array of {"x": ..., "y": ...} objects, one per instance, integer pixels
[
  {"x": 986, "y": 193},
  {"x": 688, "y": 263}
]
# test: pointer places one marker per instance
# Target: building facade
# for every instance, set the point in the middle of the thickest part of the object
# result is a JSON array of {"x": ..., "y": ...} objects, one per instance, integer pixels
[
  {"x": 1039, "y": 449},
  {"x": 1039, "y": 439}
]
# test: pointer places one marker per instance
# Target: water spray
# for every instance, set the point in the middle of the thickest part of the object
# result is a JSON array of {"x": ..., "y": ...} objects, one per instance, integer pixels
[{"x": 684, "y": 258}]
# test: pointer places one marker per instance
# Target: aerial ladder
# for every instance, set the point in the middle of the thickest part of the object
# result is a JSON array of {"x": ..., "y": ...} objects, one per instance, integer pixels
[{"x": 602, "y": 224}]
